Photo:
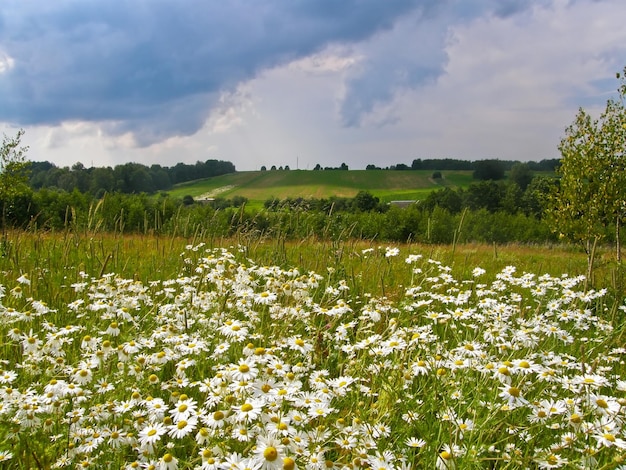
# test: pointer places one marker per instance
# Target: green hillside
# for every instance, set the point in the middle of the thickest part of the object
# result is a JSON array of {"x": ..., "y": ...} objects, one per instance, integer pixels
[{"x": 258, "y": 186}]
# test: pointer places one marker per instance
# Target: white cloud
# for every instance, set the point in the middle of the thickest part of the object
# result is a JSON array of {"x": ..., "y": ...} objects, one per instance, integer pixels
[
  {"x": 6, "y": 62},
  {"x": 331, "y": 60},
  {"x": 230, "y": 110}
]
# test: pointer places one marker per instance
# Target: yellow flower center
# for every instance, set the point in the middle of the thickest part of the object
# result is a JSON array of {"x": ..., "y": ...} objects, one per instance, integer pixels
[
  {"x": 575, "y": 418},
  {"x": 514, "y": 392},
  {"x": 270, "y": 454},
  {"x": 289, "y": 463}
]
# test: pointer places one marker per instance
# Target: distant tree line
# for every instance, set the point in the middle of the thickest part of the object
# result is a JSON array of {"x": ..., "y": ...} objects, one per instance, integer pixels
[
  {"x": 127, "y": 178},
  {"x": 453, "y": 164},
  {"x": 343, "y": 166},
  {"x": 484, "y": 169},
  {"x": 317, "y": 167}
]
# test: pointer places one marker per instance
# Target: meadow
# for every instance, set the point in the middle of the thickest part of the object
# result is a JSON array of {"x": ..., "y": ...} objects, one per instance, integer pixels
[
  {"x": 259, "y": 186},
  {"x": 137, "y": 351}
]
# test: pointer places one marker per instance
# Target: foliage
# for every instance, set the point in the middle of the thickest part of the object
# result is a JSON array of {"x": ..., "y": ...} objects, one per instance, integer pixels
[
  {"x": 126, "y": 178},
  {"x": 489, "y": 170},
  {"x": 13, "y": 166},
  {"x": 446, "y": 198},
  {"x": 15, "y": 192},
  {"x": 441, "y": 164},
  {"x": 451, "y": 164},
  {"x": 364, "y": 201},
  {"x": 521, "y": 174},
  {"x": 591, "y": 195},
  {"x": 358, "y": 215}
]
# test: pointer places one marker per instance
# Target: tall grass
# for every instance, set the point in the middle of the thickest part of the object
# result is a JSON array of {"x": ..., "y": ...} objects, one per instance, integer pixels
[{"x": 62, "y": 255}]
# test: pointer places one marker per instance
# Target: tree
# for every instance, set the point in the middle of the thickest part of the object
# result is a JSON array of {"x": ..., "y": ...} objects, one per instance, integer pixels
[
  {"x": 521, "y": 174},
  {"x": 446, "y": 198},
  {"x": 484, "y": 195},
  {"x": 13, "y": 165},
  {"x": 14, "y": 175},
  {"x": 591, "y": 195},
  {"x": 160, "y": 178},
  {"x": 102, "y": 181},
  {"x": 488, "y": 170},
  {"x": 536, "y": 198},
  {"x": 365, "y": 201}
]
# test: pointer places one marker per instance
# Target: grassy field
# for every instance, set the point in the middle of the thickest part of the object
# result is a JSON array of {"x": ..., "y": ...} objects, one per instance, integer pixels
[
  {"x": 259, "y": 186},
  {"x": 167, "y": 353},
  {"x": 62, "y": 256}
]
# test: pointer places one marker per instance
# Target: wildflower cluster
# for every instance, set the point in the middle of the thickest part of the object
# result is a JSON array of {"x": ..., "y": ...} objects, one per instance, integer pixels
[{"x": 235, "y": 365}]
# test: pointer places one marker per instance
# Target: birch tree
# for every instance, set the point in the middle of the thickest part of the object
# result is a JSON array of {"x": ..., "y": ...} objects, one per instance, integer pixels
[{"x": 591, "y": 196}]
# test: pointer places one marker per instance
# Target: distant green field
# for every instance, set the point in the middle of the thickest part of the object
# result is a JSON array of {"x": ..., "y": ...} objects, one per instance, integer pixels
[{"x": 258, "y": 186}]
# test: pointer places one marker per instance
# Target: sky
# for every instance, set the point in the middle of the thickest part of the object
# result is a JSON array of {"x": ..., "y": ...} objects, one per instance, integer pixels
[{"x": 303, "y": 82}]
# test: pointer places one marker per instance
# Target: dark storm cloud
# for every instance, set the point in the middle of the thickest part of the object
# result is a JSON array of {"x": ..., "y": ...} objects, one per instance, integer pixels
[{"x": 156, "y": 67}]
